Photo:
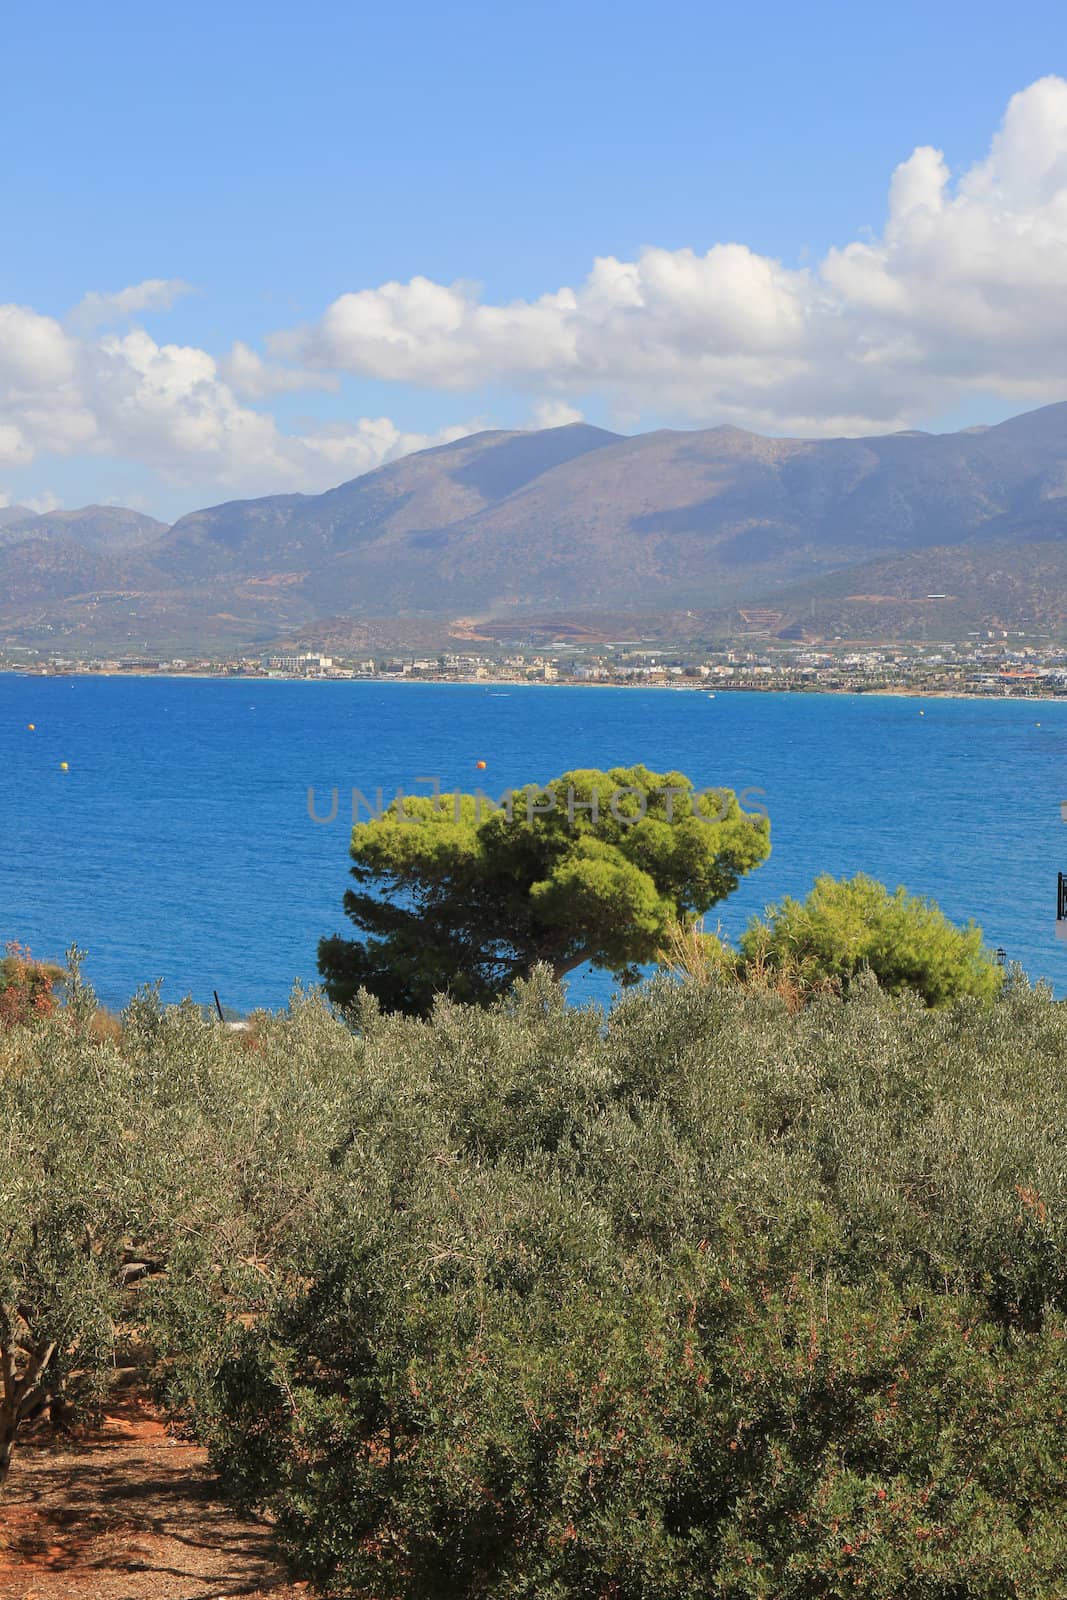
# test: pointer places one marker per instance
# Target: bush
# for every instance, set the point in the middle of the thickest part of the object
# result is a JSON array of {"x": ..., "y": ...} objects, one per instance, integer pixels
[
  {"x": 26, "y": 988},
  {"x": 701, "y": 1298},
  {"x": 847, "y": 925},
  {"x": 707, "y": 1296},
  {"x": 71, "y": 1187},
  {"x": 143, "y": 1172}
]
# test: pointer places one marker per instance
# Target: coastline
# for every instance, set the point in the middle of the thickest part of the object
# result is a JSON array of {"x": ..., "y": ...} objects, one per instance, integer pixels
[{"x": 505, "y": 685}]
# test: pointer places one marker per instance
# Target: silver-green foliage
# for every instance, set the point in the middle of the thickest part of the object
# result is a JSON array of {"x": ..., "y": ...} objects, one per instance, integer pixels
[
  {"x": 697, "y": 1297},
  {"x": 140, "y": 1173}
]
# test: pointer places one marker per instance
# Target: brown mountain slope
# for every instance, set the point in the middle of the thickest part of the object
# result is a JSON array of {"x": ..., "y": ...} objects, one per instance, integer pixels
[
  {"x": 571, "y": 517},
  {"x": 660, "y": 519},
  {"x": 111, "y": 530},
  {"x": 945, "y": 592},
  {"x": 13, "y": 516},
  {"x": 410, "y": 498}
]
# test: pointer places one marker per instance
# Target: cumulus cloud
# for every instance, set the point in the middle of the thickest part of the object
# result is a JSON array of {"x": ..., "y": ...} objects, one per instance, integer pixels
[
  {"x": 252, "y": 378},
  {"x": 554, "y": 414},
  {"x": 45, "y": 501},
  {"x": 168, "y": 407},
  {"x": 98, "y": 310},
  {"x": 962, "y": 291},
  {"x": 15, "y": 448},
  {"x": 965, "y": 289}
]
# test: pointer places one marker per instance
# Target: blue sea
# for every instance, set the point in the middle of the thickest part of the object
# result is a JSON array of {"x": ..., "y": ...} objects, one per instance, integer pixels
[{"x": 178, "y": 845}]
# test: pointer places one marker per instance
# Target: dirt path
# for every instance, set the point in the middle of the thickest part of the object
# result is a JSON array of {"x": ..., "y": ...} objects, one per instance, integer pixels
[{"x": 128, "y": 1513}]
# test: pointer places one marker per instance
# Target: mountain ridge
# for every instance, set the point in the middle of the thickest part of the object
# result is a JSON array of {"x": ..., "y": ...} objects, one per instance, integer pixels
[{"x": 526, "y": 521}]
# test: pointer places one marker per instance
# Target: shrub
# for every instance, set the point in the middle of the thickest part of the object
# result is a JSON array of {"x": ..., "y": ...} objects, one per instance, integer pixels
[
  {"x": 705, "y": 1297},
  {"x": 70, "y": 1191},
  {"x": 846, "y": 925},
  {"x": 693, "y": 955},
  {"x": 26, "y": 988},
  {"x": 145, "y": 1170}
]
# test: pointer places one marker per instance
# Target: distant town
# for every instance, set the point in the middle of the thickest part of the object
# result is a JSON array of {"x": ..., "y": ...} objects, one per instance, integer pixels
[{"x": 982, "y": 667}]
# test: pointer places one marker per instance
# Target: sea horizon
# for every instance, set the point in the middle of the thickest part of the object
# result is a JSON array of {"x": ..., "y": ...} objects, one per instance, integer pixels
[{"x": 177, "y": 844}]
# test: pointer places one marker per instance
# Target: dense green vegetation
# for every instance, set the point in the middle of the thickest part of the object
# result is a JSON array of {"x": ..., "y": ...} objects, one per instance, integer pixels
[
  {"x": 846, "y": 926},
  {"x": 707, "y": 1296},
  {"x": 456, "y": 896}
]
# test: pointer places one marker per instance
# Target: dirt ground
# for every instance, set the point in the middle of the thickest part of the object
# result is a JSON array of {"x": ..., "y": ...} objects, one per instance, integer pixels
[{"x": 128, "y": 1513}]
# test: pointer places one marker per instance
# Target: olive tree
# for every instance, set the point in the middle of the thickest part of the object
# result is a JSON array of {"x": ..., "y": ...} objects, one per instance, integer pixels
[
  {"x": 148, "y": 1185},
  {"x": 74, "y": 1201}
]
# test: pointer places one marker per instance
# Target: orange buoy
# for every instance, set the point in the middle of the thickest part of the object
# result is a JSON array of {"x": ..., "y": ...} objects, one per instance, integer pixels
[
  {"x": 31, "y": 727},
  {"x": 480, "y": 765}
]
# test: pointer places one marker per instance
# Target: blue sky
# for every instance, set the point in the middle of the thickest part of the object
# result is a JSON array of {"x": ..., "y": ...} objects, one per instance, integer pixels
[{"x": 268, "y": 163}]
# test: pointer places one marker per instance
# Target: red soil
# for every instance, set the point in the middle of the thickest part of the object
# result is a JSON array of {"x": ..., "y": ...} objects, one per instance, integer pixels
[{"x": 128, "y": 1512}]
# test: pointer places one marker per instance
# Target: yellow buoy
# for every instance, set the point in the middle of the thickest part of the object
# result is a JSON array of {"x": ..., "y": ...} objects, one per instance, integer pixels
[
  {"x": 64, "y": 766},
  {"x": 32, "y": 727}
]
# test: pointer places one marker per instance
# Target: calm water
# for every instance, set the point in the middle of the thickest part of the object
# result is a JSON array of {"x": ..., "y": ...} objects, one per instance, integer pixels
[{"x": 178, "y": 845}]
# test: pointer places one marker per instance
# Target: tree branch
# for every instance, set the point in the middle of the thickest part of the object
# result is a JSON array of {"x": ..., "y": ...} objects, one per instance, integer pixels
[{"x": 25, "y": 1392}]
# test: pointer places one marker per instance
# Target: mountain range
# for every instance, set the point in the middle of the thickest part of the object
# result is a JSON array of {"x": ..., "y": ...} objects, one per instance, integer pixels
[{"x": 827, "y": 534}]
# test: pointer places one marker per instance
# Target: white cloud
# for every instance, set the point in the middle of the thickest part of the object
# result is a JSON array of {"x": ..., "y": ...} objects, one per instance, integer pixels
[
  {"x": 99, "y": 310},
  {"x": 252, "y": 378},
  {"x": 965, "y": 290},
  {"x": 554, "y": 414},
  {"x": 427, "y": 333},
  {"x": 45, "y": 501},
  {"x": 15, "y": 448},
  {"x": 167, "y": 407}
]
